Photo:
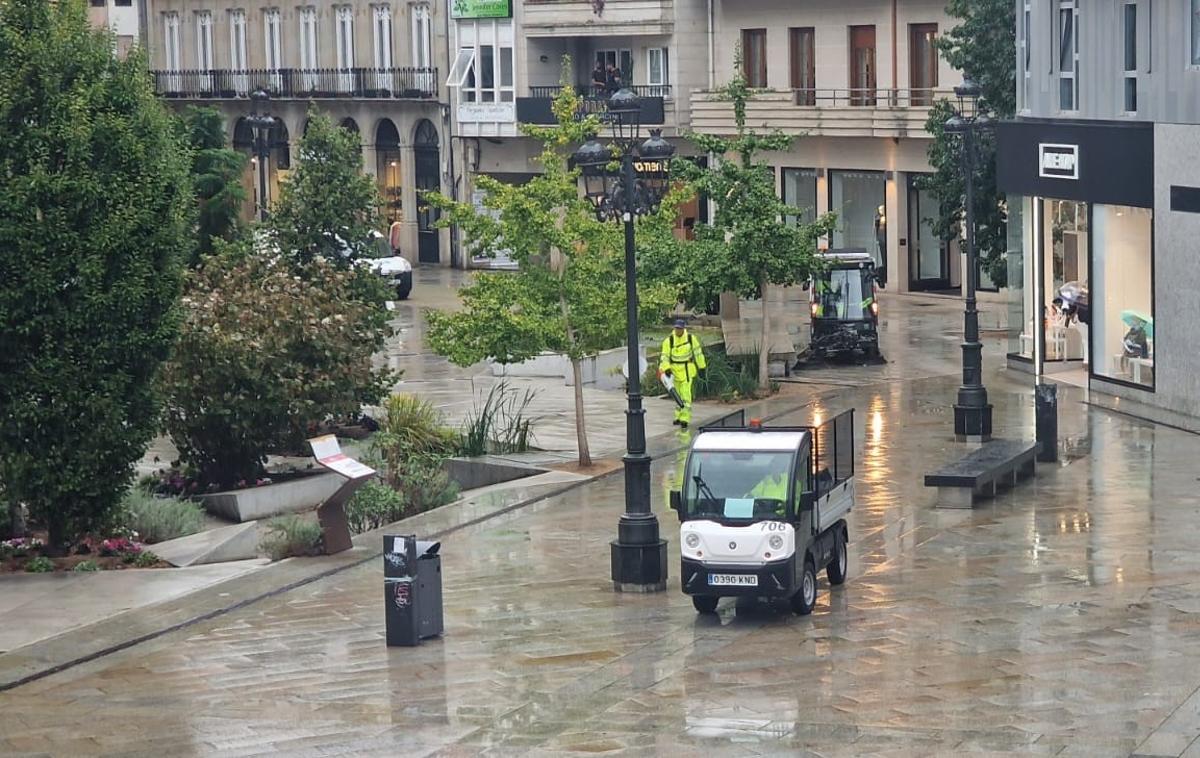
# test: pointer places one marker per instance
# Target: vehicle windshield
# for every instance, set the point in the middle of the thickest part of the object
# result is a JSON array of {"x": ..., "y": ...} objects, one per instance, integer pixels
[
  {"x": 737, "y": 485},
  {"x": 843, "y": 293}
]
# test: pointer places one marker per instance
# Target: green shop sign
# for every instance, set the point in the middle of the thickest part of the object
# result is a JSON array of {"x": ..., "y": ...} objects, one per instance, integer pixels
[{"x": 480, "y": 8}]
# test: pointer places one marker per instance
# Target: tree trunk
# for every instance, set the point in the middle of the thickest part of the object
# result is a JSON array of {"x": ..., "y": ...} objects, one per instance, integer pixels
[
  {"x": 764, "y": 349},
  {"x": 16, "y": 520},
  {"x": 585, "y": 455}
]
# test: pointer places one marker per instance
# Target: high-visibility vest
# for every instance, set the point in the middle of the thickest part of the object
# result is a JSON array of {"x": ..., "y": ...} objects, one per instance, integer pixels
[{"x": 682, "y": 353}]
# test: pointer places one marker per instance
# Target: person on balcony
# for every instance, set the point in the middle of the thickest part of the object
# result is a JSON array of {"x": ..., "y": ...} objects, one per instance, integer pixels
[{"x": 599, "y": 80}]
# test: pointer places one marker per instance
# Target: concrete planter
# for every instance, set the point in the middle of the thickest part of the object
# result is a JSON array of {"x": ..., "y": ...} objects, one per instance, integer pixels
[
  {"x": 299, "y": 494},
  {"x": 601, "y": 371},
  {"x": 484, "y": 471}
]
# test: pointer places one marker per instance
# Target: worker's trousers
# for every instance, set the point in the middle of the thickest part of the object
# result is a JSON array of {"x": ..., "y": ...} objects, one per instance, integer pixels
[{"x": 683, "y": 385}]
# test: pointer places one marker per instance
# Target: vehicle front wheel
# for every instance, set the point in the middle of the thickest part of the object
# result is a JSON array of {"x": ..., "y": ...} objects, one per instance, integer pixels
[
  {"x": 836, "y": 570},
  {"x": 704, "y": 603},
  {"x": 806, "y": 597}
]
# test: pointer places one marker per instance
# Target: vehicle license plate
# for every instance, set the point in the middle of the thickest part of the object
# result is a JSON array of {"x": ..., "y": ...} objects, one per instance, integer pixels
[{"x": 735, "y": 580}]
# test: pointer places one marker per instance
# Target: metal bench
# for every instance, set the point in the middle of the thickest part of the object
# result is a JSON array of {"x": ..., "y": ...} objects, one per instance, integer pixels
[{"x": 982, "y": 472}]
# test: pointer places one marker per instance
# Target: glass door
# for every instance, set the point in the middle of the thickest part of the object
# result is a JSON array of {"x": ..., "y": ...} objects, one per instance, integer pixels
[
  {"x": 1065, "y": 232},
  {"x": 862, "y": 65},
  {"x": 928, "y": 255},
  {"x": 923, "y": 63}
]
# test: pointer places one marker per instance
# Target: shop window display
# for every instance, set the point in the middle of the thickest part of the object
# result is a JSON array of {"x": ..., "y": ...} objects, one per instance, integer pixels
[
  {"x": 1122, "y": 294},
  {"x": 1021, "y": 318},
  {"x": 1066, "y": 238},
  {"x": 859, "y": 199}
]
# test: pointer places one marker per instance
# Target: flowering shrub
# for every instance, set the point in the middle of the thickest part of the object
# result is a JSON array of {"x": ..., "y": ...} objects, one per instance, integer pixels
[
  {"x": 119, "y": 546},
  {"x": 20, "y": 546}
]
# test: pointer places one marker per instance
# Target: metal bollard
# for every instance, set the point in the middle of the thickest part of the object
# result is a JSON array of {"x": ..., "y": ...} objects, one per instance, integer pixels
[
  {"x": 412, "y": 581},
  {"x": 1046, "y": 414}
]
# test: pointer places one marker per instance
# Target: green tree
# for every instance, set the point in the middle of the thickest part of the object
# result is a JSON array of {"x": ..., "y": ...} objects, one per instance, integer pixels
[
  {"x": 262, "y": 357},
  {"x": 568, "y": 295},
  {"x": 328, "y": 207},
  {"x": 95, "y": 223},
  {"x": 750, "y": 244},
  {"x": 983, "y": 47},
  {"x": 217, "y": 176}
]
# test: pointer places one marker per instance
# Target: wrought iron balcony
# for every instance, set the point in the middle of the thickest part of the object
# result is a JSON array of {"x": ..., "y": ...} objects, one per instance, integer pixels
[{"x": 367, "y": 83}]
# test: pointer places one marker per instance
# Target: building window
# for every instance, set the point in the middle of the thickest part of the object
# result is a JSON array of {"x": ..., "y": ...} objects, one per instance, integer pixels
[
  {"x": 171, "y": 41},
  {"x": 420, "y": 30},
  {"x": 754, "y": 57},
  {"x": 1068, "y": 55},
  {"x": 859, "y": 200},
  {"x": 1065, "y": 240},
  {"x": 1195, "y": 32},
  {"x": 271, "y": 40},
  {"x": 1025, "y": 52},
  {"x": 237, "y": 40},
  {"x": 344, "y": 37},
  {"x": 1129, "y": 21},
  {"x": 657, "y": 74},
  {"x": 1121, "y": 295},
  {"x": 383, "y": 37},
  {"x": 803, "y": 59},
  {"x": 204, "y": 48},
  {"x": 483, "y": 74},
  {"x": 308, "y": 47},
  {"x": 123, "y": 3},
  {"x": 800, "y": 191},
  {"x": 97, "y": 3},
  {"x": 308, "y": 38},
  {"x": 923, "y": 63}
]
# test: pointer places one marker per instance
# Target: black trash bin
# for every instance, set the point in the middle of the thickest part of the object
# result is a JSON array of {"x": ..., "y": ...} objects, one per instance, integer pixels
[
  {"x": 1046, "y": 413},
  {"x": 412, "y": 581}
]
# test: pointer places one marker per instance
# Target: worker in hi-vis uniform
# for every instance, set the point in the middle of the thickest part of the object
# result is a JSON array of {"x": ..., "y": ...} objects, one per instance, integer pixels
[{"x": 682, "y": 359}]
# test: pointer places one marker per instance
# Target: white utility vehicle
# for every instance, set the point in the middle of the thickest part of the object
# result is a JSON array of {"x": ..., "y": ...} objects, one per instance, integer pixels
[{"x": 763, "y": 509}]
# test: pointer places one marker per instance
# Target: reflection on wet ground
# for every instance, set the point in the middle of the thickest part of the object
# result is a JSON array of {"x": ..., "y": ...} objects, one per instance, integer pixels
[{"x": 1062, "y": 619}]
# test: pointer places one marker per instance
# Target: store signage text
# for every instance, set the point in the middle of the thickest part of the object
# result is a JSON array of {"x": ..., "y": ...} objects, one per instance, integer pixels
[
  {"x": 480, "y": 8},
  {"x": 1058, "y": 161}
]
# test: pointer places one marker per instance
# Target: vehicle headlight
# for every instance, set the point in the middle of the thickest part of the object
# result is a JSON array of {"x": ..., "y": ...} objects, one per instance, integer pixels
[
  {"x": 692, "y": 541},
  {"x": 776, "y": 542}
]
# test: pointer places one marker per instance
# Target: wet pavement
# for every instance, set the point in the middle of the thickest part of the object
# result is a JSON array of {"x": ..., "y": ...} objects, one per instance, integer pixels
[{"x": 1060, "y": 619}]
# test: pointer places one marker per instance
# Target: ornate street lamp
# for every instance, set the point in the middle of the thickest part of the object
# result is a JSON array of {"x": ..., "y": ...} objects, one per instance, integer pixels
[
  {"x": 972, "y": 412},
  {"x": 639, "y": 555},
  {"x": 261, "y": 123}
]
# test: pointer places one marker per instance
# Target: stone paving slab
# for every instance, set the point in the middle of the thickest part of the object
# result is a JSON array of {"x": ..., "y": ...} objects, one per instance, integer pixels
[
  {"x": 1047, "y": 623},
  {"x": 113, "y": 618}
]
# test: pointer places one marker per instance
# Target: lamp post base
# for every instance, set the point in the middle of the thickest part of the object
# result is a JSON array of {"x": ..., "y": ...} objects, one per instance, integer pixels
[
  {"x": 639, "y": 568},
  {"x": 973, "y": 423}
]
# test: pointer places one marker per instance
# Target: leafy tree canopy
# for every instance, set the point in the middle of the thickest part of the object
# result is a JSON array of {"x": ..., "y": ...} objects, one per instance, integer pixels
[
  {"x": 95, "y": 222},
  {"x": 982, "y": 46},
  {"x": 568, "y": 295},
  {"x": 217, "y": 176},
  {"x": 327, "y": 207},
  {"x": 750, "y": 243}
]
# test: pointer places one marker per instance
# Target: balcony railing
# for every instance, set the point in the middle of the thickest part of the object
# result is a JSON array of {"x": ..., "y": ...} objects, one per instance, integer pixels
[
  {"x": 372, "y": 83},
  {"x": 872, "y": 98},
  {"x": 589, "y": 91},
  {"x": 822, "y": 112},
  {"x": 537, "y": 109}
]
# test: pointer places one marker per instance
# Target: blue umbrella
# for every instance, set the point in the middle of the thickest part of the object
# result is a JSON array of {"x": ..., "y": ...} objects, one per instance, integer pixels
[{"x": 1134, "y": 319}]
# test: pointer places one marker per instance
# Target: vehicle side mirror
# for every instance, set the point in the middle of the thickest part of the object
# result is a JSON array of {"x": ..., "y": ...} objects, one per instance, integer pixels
[
  {"x": 804, "y": 285},
  {"x": 676, "y": 500}
]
